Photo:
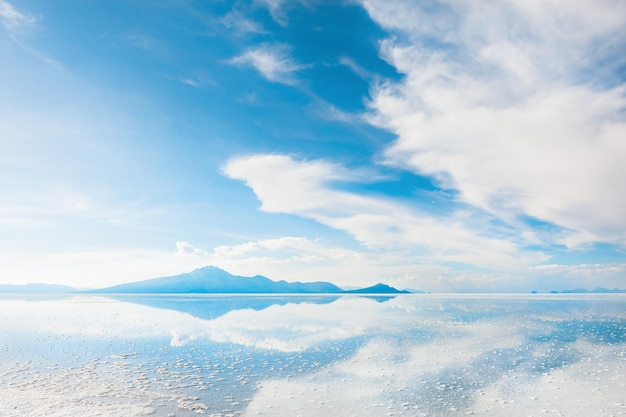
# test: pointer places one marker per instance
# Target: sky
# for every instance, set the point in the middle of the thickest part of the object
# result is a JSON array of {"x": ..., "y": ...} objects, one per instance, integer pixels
[{"x": 445, "y": 146}]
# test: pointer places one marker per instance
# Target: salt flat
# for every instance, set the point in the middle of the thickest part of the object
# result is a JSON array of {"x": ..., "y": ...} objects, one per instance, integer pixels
[{"x": 411, "y": 355}]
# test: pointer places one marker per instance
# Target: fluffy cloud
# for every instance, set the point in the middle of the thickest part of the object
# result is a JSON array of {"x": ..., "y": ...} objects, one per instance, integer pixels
[
  {"x": 409, "y": 247},
  {"x": 582, "y": 268},
  {"x": 301, "y": 259},
  {"x": 272, "y": 60},
  {"x": 287, "y": 243},
  {"x": 552, "y": 276},
  {"x": 186, "y": 248},
  {"x": 284, "y": 185},
  {"x": 516, "y": 105}
]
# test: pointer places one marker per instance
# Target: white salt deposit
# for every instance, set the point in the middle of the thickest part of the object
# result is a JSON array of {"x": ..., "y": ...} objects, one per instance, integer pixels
[{"x": 88, "y": 391}]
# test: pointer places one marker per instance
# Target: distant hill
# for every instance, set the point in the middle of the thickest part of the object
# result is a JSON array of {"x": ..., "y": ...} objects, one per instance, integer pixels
[
  {"x": 377, "y": 289},
  {"x": 36, "y": 288},
  {"x": 207, "y": 280},
  {"x": 414, "y": 291},
  {"x": 597, "y": 290},
  {"x": 213, "y": 280}
]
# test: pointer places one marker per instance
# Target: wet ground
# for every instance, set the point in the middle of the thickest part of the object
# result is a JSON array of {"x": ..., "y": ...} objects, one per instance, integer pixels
[{"x": 411, "y": 355}]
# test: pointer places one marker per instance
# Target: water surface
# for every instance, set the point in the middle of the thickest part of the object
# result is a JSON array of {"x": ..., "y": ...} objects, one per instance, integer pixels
[{"x": 411, "y": 355}]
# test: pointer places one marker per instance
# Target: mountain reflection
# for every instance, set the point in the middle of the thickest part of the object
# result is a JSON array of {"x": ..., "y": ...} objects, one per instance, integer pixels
[{"x": 210, "y": 307}]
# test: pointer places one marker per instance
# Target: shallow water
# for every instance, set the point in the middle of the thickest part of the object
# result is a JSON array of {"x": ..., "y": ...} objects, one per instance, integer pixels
[{"x": 411, "y": 355}]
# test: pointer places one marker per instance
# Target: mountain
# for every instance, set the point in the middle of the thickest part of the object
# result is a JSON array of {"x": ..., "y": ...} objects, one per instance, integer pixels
[
  {"x": 36, "y": 288},
  {"x": 207, "y": 280},
  {"x": 597, "y": 290},
  {"x": 377, "y": 289},
  {"x": 213, "y": 280},
  {"x": 414, "y": 291}
]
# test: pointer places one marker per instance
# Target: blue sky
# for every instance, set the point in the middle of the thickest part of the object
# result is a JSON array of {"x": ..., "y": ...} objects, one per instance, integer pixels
[{"x": 442, "y": 146}]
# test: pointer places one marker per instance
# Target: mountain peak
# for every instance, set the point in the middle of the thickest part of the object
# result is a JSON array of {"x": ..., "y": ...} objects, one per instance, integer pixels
[
  {"x": 213, "y": 280},
  {"x": 378, "y": 289}
]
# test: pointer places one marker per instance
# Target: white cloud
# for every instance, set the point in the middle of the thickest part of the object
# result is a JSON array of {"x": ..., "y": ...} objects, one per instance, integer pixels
[
  {"x": 293, "y": 258},
  {"x": 197, "y": 81},
  {"x": 514, "y": 105},
  {"x": 272, "y": 60},
  {"x": 186, "y": 248},
  {"x": 13, "y": 20},
  {"x": 276, "y": 9},
  {"x": 356, "y": 68},
  {"x": 18, "y": 24},
  {"x": 581, "y": 268},
  {"x": 271, "y": 245},
  {"x": 279, "y": 9},
  {"x": 284, "y": 185},
  {"x": 327, "y": 111},
  {"x": 568, "y": 277},
  {"x": 238, "y": 22}
]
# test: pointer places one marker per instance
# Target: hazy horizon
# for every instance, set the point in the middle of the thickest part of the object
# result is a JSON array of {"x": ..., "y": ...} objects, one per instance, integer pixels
[{"x": 184, "y": 290}]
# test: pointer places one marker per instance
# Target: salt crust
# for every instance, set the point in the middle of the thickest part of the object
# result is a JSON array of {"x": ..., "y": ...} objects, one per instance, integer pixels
[{"x": 99, "y": 389}]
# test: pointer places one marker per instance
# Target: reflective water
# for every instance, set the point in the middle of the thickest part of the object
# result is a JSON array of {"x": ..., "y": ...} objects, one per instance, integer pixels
[{"x": 412, "y": 355}]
